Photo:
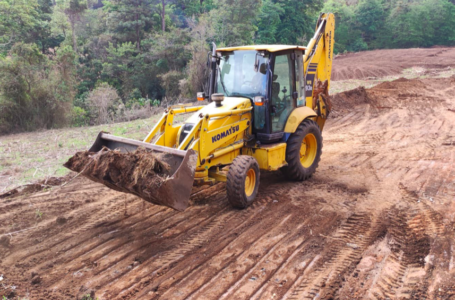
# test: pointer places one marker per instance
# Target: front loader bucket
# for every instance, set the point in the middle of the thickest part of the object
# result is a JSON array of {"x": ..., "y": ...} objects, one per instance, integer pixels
[{"x": 157, "y": 174}]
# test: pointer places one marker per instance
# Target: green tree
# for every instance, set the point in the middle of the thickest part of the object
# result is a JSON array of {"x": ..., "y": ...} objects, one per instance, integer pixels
[
  {"x": 23, "y": 20},
  {"x": 196, "y": 71},
  {"x": 269, "y": 19},
  {"x": 298, "y": 20},
  {"x": 183, "y": 9},
  {"x": 35, "y": 92},
  {"x": 425, "y": 23},
  {"x": 129, "y": 20},
  {"x": 73, "y": 10},
  {"x": 345, "y": 32},
  {"x": 234, "y": 21},
  {"x": 41, "y": 32},
  {"x": 370, "y": 19}
]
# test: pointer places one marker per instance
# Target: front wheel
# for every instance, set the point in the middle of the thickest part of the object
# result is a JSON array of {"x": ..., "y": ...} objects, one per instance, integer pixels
[
  {"x": 303, "y": 151},
  {"x": 242, "y": 181}
]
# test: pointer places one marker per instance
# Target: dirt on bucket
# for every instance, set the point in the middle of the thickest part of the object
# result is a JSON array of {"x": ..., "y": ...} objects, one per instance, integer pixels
[{"x": 140, "y": 172}]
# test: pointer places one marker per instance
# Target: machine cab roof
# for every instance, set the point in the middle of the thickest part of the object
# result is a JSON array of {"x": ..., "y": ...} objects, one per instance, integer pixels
[{"x": 269, "y": 48}]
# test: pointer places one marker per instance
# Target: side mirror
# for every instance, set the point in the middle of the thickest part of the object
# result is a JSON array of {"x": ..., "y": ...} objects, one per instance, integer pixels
[{"x": 256, "y": 61}]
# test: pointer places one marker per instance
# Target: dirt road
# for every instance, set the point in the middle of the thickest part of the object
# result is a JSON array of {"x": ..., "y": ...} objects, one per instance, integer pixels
[{"x": 375, "y": 222}]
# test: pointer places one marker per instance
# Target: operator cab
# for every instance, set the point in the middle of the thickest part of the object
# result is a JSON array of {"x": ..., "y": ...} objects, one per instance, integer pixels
[{"x": 270, "y": 76}]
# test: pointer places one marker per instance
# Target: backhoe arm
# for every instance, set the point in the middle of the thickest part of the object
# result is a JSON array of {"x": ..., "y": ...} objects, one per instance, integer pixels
[{"x": 317, "y": 64}]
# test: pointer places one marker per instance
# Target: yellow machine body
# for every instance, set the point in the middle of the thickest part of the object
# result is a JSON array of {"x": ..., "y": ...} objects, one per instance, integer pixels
[
  {"x": 203, "y": 149},
  {"x": 220, "y": 134}
]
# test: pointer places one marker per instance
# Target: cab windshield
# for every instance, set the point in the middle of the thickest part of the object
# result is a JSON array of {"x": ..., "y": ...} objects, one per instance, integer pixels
[{"x": 237, "y": 75}]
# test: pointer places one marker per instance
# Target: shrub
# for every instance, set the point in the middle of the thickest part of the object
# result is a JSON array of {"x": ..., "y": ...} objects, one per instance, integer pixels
[
  {"x": 359, "y": 45},
  {"x": 80, "y": 117},
  {"x": 36, "y": 92},
  {"x": 103, "y": 102},
  {"x": 156, "y": 103},
  {"x": 137, "y": 103},
  {"x": 170, "y": 82}
]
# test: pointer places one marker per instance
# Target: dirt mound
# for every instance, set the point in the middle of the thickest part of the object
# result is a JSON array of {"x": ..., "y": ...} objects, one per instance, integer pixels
[
  {"x": 350, "y": 98},
  {"x": 400, "y": 93},
  {"x": 36, "y": 187},
  {"x": 380, "y": 63},
  {"x": 141, "y": 172}
]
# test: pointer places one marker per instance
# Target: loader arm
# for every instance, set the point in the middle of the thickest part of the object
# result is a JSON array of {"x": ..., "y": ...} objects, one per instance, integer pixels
[{"x": 317, "y": 64}]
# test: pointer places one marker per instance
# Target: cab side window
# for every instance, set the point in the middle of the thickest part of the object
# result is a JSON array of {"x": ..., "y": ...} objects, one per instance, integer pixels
[
  {"x": 299, "y": 80},
  {"x": 282, "y": 102}
]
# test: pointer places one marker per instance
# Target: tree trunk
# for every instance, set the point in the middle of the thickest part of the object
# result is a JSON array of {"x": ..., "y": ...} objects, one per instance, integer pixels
[
  {"x": 73, "y": 33},
  {"x": 138, "y": 38},
  {"x": 163, "y": 15}
]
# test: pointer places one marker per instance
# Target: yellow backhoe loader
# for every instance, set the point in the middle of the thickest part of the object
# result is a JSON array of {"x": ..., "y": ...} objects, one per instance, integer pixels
[{"x": 267, "y": 108}]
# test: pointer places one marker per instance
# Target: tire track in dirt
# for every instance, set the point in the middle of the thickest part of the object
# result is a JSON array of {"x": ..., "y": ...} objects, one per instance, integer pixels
[
  {"x": 242, "y": 223},
  {"x": 76, "y": 229},
  {"x": 340, "y": 256},
  {"x": 119, "y": 217},
  {"x": 196, "y": 241},
  {"x": 118, "y": 247}
]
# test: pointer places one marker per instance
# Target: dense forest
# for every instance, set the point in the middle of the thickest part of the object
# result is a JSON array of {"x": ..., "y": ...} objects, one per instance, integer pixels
[{"x": 80, "y": 62}]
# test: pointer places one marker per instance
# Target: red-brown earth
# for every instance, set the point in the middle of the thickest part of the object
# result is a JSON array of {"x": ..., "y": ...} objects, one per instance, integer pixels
[{"x": 376, "y": 221}]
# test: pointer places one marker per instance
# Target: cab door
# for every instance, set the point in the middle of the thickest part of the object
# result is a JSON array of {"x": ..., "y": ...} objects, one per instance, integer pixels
[
  {"x": 283, "y": 90},
  {"x": 286, "y": 91}
]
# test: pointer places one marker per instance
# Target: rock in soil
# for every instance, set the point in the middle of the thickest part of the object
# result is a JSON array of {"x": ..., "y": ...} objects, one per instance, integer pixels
[
  {"x": 61, "y": 220},
  {"x": 36, "y": 278},
  {"x": 4, "y": 241}
]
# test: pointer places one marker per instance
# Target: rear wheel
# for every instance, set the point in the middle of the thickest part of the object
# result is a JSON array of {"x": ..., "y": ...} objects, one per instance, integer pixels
[
  {"x": 242, "y": 181},
  {"x": 303, "y": 151}
]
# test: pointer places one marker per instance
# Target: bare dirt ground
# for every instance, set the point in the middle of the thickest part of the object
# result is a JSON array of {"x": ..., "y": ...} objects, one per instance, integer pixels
[
  {"x": 382, "y": 63},
  {"x": 376, "y": 221}
]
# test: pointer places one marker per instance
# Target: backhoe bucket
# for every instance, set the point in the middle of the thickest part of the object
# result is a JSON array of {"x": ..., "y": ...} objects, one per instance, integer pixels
[{"x": 157, "y": 174}]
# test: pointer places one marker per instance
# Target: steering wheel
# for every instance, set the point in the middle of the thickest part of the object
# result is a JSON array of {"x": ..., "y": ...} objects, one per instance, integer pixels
[
  {"x": 279, "y": 107},
  {"x": 285, "y": 98}
]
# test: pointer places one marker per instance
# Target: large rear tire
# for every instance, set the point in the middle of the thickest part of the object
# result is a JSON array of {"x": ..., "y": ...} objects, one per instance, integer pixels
[
  {"x": 303, "y": 151},
  {"x": 242, "y": 181}
]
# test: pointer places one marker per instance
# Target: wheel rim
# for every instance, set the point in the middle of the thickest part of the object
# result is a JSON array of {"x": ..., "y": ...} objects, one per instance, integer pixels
[
  {"x": 308, "y": 150},
  {"x": 250, "y": 182}
]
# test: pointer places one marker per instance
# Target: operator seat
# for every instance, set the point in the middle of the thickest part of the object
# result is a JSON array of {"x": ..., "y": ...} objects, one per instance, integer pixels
[{"x": 275, "y": 92}]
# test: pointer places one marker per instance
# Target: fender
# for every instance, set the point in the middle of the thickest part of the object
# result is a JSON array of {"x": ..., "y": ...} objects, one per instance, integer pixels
[{"x": 297, "y": 116}]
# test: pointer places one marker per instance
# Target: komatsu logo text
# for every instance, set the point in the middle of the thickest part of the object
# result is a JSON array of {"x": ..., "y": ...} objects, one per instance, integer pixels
[{"x": 224, "y": 134}]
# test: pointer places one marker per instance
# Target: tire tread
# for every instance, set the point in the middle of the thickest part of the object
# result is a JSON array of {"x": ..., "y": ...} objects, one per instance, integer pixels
[
  {"x": 294, "y": 170},
  {"x": 236, "y": 180}
]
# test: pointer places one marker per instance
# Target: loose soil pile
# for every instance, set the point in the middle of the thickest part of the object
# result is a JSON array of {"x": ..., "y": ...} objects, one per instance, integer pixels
[
  {"x": 140, "y": 173},
  {"x": 376, "y": 221},
  {"x": 381, "y": 63},
  {"x": 37, "y": 186}
]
